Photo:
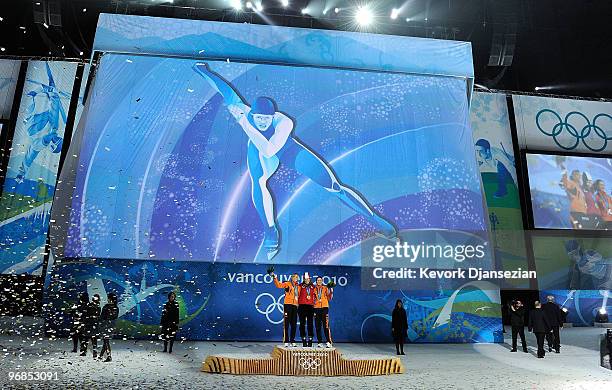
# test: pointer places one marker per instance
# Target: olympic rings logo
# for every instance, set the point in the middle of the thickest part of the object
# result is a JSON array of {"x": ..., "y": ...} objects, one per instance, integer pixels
[
  {"x": 309, "y": 363},
  {"x": 571, "y": 141},
  {"x": 274, "y": 304}
]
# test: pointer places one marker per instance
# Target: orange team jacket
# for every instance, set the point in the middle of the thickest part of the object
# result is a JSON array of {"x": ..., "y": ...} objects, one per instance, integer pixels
[
  {"x": 575, "y": 195},
  {"x": 322, "y": 296},
  {"x": 291, "y": 291}
]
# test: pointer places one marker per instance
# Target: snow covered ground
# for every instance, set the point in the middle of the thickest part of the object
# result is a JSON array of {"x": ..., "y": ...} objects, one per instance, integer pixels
[{"x": 139, "y": 364}]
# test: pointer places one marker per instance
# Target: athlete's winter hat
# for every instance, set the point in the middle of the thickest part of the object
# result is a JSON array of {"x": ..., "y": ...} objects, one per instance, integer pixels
[{"x": 263, "y": 106}]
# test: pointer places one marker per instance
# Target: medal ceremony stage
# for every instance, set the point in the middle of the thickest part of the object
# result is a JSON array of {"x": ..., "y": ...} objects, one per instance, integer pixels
[{"x": 210, "y": 179}]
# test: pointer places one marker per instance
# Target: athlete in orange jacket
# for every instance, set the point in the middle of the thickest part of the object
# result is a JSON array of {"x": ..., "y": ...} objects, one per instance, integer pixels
[
  {"x": 323, "y": 295},
  {"x": 575, "y": 195},
  {"x": 292, "y": 291}
]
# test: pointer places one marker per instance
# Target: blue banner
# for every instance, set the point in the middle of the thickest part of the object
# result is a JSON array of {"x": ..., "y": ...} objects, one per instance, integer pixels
[
  {"x": 282, "y": 45},
  {"x": 29, "y": 187},
  {"x": 240, "y": 302}
]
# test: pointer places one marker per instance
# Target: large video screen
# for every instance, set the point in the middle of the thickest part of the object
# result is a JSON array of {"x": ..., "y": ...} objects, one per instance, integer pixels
[
  {"x": 570, "y": 192},
  {"x": 234, "y": 162}
]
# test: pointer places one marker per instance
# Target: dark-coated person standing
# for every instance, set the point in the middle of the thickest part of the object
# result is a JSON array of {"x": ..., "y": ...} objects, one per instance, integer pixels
[
  {"x": 109, "y": 315},
  {"x": 92, "y": 317},
  {"x": 554, "y": 315},
  {"x": 516, "y": 312},
  {"x": 399, "y": 326},
  {"x": 538, "y": 324},
  {"x": 169, "y": 322},
  {"x": 79, "y": 311}
]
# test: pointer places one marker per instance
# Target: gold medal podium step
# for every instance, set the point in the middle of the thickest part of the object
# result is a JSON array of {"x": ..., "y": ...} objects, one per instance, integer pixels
[{"x": 303, "y": 362}]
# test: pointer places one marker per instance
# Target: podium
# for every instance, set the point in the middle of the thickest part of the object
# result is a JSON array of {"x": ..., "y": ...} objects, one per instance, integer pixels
[{"x": 303, "y": 362}]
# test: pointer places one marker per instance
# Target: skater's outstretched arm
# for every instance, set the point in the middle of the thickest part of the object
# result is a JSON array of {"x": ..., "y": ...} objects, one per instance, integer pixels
[
  {"x": 236, "y": 106},
  {"x": 239, "y": 109},
  {"x": 32, "y": 106}
]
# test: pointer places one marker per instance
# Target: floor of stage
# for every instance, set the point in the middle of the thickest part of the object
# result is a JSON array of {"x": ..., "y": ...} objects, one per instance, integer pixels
[{"x": 457, "y": 366}]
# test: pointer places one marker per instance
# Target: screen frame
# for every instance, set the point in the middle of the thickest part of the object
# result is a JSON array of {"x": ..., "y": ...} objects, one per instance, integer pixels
[
  {"x": 529, "y": 204},
  {"x": 96, "y": 61}
]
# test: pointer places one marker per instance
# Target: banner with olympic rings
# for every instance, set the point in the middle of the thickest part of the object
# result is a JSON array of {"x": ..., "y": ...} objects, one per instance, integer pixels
[
  {"x": 224, "y": 301},
  {"x": 566, "y": 125}
]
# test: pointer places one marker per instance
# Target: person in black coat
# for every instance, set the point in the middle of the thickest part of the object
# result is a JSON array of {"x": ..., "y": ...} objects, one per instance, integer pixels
[
  {"x": 79, "y": 311},
  {"x": 169, "y": 321},
  {"x": 538, "y": 324},
  {"x": 399, "y": 326},
  {"x": 516, "y": 312},
  {"x": 109, "y": 315},
  {"x": 554, "y": 315},
  {"x": 92, "y": 316}
]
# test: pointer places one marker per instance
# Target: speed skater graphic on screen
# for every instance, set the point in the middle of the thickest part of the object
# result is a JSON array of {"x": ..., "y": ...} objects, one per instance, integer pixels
[
  {"x": 271, "y": 142},
  {"x": 43, "y": 120}
]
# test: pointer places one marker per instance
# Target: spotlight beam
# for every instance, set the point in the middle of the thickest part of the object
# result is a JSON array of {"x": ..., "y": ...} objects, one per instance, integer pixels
[{"x": 364, "y": 16}]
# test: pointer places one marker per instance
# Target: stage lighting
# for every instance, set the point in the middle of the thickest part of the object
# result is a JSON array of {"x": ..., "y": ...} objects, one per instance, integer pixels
[
  {"x": 304, "y": 11},
  {"x": 259, "y": 7},
  {"x": 602, "y": 316},
  {"x": 364, "y": 16},
  {"x": 394, "y": 13},
  {"x": 285, "y": 3},
  {"x": 237, "y": 4},
  {"x": 408, "y": 20},
  {"x": 336, "y": 10},
  {"x": 249, "y": 5}
]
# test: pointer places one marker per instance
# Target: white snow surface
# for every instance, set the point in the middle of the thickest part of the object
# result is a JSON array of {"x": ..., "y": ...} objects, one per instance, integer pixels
[{"x": 141, "y": 365}]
